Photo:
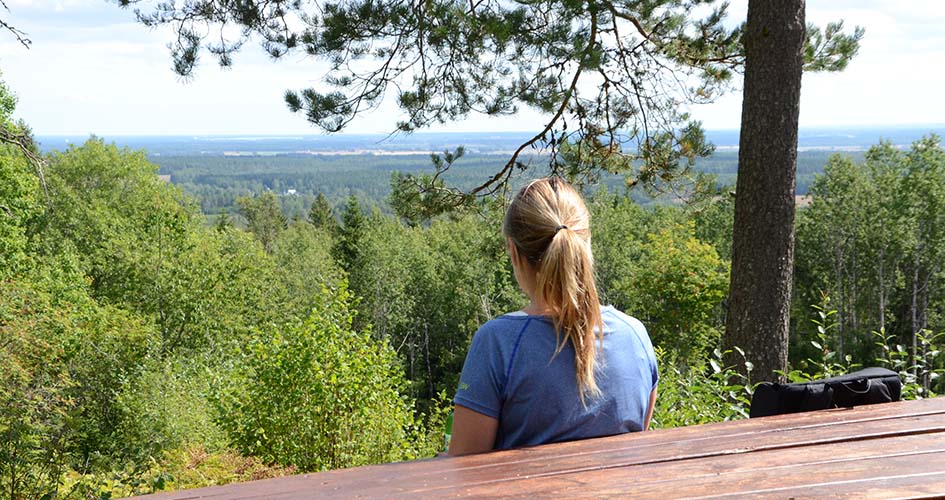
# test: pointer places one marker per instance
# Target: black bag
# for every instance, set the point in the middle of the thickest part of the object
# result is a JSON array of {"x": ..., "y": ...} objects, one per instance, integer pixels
[{"x": 867, "y": 386}]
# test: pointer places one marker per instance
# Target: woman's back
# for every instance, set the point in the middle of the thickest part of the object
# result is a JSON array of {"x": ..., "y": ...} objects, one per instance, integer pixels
[
  {"x": 565, "y": 368},
  {"x": 512, "y": 374}
]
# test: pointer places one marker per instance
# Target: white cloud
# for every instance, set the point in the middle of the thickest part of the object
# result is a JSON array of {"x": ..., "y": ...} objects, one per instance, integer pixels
[{"x": 51, "y": 5}]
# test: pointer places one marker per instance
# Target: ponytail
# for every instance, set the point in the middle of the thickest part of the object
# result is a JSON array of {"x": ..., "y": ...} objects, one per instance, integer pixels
[{"x": 550, "y": 226}]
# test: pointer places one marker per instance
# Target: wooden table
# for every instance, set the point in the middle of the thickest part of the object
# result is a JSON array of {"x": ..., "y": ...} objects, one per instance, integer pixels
[{"x": 893, "y": 450}]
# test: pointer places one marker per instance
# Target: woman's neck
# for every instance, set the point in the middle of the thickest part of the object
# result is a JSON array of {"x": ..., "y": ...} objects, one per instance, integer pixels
[{"x": 537, "y": 309}]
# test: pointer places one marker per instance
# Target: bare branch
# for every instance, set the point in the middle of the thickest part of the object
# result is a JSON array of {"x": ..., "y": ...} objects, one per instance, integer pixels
[{"x": 25, "y": 144}]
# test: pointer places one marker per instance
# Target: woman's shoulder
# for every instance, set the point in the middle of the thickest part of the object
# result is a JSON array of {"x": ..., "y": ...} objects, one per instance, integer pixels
[
  {"x": 619, "y": 321},
  {"x": 506, "y": 324},
  {"x": 616, "y": 317}
]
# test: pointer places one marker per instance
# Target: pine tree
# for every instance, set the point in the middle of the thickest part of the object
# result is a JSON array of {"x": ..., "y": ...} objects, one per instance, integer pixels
[
  {"x": 321, "y": 214},
  {"x": 612, "y": 77},
  {"x": 353, "y": 225}
]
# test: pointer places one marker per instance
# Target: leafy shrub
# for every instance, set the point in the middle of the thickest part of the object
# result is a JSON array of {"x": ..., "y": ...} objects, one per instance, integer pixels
[
  {"x": 825, "y": 362},
  {"x": 699, "y": 394},
  {"x": 176, "y": 469},
  {"x": 921, "y": 372},
  {"x": 651, "y": 265},
  {"x": 34, "y": 387},
  {"x": 167, "y": 408},
  {"x": 677, "y": 287},
  {"x": 319, "y": 396}
]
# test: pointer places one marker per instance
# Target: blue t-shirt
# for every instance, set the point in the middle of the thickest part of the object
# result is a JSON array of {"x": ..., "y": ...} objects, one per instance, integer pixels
[{"x": 512, "y": 374}]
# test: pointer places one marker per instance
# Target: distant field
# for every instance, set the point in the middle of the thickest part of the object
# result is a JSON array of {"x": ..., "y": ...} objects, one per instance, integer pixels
[
  {"x": 218, "y": 180},
  {"x": 218, "y": 169},
  {"x": 840, "y": 139}
]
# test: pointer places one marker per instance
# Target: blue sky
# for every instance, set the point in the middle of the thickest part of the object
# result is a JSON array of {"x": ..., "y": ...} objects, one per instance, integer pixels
[{"x": 93, "y": 69}]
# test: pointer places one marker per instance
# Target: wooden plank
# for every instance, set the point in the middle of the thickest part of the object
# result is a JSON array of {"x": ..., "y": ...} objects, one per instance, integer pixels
[
  {"x": 712, "y": 466},
  {"x": 912, "y": 486},
  {"x": 674, "y": 453},
  {"x": 617, "y": 451},
  {"x": 847, "y": 468},
  {"x": 660, "y": 451}
]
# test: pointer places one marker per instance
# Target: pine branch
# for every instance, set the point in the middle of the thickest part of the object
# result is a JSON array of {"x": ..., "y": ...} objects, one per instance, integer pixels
[{"x": 20, "y": 35}]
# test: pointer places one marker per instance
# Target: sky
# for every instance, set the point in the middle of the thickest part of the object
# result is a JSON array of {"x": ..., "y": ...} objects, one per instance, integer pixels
[{"x": 93, "y": 70}]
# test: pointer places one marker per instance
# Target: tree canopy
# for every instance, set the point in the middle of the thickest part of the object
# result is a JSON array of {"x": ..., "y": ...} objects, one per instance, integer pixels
[{"x": 612, "y": 77}]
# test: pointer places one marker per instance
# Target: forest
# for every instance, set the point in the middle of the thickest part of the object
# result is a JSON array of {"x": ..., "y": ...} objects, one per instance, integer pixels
[
  {"x": 145, "y": 347},
  {"x": 217, "y": 181}
]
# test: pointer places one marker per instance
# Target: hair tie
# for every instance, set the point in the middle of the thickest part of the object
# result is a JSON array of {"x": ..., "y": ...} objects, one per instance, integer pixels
[{"x": 562, "y": 226}]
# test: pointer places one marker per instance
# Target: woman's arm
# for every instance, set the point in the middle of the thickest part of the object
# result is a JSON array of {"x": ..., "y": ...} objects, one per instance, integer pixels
[
  {"x": 473, "y": 432},
  {"x": 649, "y": 411}
]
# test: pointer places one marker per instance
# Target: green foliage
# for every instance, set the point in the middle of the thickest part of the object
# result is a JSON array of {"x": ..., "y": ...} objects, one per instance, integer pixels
[
  {"x": 714, "y": 220},
  {"x": 18, "y": 202},
  {"x": 122, "y": 220},
  {"x": 872, "y": 239},
  {"x": 223, "y": 222},
  {"x": 830, "y": 49},
  {"x": 677, "y": 288},
  {"x": 921, "y": 372},
  {"x": 700, "y": 393},
  {"x": 166, "y": 407},
  {"x": 19, "y": 193},
  {"x": 654, "y": 268},
  {"x": 321, "y": 395},
  {"x": 67, "y": 358},
  {"x": 427, "y": 290},
  {"x": 177, "y": 469},
  {"x": 825, "y": 362},
  {"x": 303, "y": 265},
  {"x": 34, "y": 391}
]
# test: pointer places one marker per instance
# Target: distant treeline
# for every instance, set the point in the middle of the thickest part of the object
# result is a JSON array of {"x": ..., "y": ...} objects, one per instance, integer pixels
[{"x": 297, "y": 179}]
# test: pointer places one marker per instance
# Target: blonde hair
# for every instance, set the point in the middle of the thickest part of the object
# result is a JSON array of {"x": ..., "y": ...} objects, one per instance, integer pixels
[{"x": 549, "y": 224}]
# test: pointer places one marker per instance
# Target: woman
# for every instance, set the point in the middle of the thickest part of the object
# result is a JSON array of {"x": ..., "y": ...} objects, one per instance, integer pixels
[{"x": 563, "y": 368}]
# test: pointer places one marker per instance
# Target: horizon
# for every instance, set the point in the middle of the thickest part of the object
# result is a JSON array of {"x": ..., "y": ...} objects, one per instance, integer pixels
[
  {"x": 316, "y": 133},
  {"x": 831, "y": 138}
]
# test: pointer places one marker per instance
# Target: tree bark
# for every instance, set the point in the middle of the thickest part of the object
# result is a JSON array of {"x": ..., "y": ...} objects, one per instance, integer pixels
[
  {"x": 763, "y": 239},
  {"x": 854, "y": 304},
  {"x": 882, "y": 289},
  {"x": 915, "y": 304}
]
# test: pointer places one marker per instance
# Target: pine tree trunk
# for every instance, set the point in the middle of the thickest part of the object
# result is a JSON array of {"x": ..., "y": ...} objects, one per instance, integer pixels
[
  {"x": 915, "y": 305},
  {"x": 882, "y": 290},
  {"x": 839, "y": 300},
  {"x": 763, "y": 239},
  {"x": 854, "y": 320}
]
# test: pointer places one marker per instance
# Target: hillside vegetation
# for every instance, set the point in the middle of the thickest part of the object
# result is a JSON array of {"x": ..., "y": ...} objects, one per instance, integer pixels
[{"x": 144, "y": 349}]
